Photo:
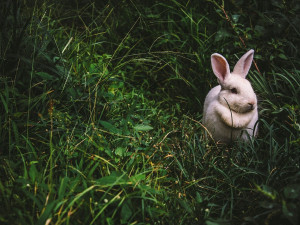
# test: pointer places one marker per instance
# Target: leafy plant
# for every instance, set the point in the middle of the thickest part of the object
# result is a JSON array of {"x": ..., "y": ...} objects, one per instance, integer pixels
[{"x": 101, "y": 113}]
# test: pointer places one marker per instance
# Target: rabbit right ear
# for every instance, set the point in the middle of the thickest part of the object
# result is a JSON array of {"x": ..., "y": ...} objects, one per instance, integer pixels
[
  {"x": 220, "y": 67},
  {"x": 243, "y": 65}
]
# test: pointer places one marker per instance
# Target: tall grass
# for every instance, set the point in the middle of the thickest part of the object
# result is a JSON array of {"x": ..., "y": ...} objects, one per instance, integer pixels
[{"x": 102, "y": 106}]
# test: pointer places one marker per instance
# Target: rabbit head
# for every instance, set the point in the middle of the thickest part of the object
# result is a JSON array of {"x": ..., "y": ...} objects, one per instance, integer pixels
[{"x": 236, "y": 92}]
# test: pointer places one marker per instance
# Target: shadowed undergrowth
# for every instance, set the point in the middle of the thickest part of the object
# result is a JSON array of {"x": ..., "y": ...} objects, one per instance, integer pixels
[{"x": 101, "y": 107}]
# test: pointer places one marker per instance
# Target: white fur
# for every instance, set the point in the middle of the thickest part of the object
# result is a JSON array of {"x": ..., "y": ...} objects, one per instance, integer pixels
[{"x": 230, "y": 109}]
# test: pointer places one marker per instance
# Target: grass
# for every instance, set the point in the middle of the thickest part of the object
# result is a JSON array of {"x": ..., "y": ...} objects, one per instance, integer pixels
[{"x": 102, "y": 106}]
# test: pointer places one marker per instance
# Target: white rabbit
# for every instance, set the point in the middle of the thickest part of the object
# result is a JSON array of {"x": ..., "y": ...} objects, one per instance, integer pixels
[{"x": 230, "y": 109}]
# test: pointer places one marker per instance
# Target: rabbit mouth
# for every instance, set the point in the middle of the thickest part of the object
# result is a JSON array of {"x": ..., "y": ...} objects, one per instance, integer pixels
[
  {"x": 246, "y": 109},
  {"x": 240, "y": 106}
]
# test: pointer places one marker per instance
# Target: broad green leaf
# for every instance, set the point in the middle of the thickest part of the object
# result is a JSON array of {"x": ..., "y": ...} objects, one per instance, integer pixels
[
  {"x": 186, "y": 206},
  {"x": 235, "y": 18},
  {"x": 114, "y": 178},
  {"x": 62, "y": 187},
  {"x": 282, "y": 56},
  {"x": 120, "y": 151},
  {"x": 137, "y": 178},
  {"x": 126, "y": 211},
  {"x": 33, "y": 173},
  {"x": 142, "y": 127},
  {"x": 198, "y": 197},
  {"x": 45, "y": 76},
  {"x": 47, "y": 213},
  {"x": 110, "y": 127}
]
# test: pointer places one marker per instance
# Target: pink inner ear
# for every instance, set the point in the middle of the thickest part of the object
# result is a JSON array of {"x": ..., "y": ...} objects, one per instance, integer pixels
[
  {"x": 219, "y": 66},
  {"x": 248, "y": 62}
]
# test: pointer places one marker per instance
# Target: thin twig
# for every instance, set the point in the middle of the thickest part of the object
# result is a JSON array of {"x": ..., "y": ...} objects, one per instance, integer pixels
[{"x": 233, "y": 27}]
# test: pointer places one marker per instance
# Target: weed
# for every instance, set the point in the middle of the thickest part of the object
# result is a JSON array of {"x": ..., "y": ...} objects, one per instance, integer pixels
[{"x": 101, "y": 113}]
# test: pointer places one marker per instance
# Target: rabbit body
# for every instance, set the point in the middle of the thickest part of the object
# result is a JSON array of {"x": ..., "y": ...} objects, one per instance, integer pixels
[{"x": 230, "y": 109}]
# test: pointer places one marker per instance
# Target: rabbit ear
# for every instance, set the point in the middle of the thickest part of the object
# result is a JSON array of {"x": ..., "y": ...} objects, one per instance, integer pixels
[
  {"x": 220, "y": 67},
  {"x": 243, "y": 65}
]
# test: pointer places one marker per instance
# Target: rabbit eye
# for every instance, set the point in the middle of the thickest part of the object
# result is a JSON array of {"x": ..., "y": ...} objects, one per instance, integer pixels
[{"x": 233, "y": 90}]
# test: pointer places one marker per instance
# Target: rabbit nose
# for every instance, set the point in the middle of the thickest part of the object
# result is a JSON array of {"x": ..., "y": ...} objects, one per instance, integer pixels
[{"x": 251, "y": 106}]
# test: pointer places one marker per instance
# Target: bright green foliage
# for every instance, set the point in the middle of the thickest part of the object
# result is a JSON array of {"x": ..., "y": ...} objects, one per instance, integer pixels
[{"x": 101, "y": 107}]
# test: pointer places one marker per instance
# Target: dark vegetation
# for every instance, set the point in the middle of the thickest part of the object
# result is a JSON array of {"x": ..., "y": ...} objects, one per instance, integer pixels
[{"x": 101, "y": 107}]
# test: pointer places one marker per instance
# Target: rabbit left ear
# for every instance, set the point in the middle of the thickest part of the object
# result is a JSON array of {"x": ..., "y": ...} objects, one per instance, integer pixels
[
  {"x": 220, "y": 67},
  {"x": 243, "y": 65}
]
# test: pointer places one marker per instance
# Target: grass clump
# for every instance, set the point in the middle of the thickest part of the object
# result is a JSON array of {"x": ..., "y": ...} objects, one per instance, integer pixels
[{"x": 102, "y": 106}]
